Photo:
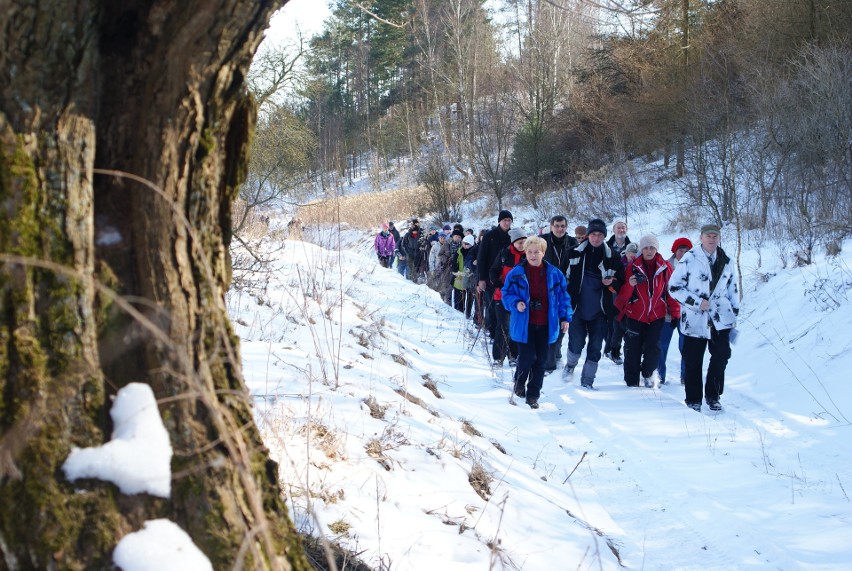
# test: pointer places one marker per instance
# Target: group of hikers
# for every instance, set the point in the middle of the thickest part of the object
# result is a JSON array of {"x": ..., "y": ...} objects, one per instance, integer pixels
[{"x": 528, "y": 292}]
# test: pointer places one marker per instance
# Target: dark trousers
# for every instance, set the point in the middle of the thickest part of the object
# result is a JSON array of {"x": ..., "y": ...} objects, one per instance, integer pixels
[
  {"x": 595, "y": 330},
  {"x": 459, "y": 297},
  {"x": 641, "y": 349},
  {"x": 614, "y": 335},
  {"x": 529, "y": 375},
  {"x": 719, "y": 345},
  {"x": 665, "y": 340},
  {"x": 414, "y": 269},
  {"x": 478, "y": 310},
  {"x": 554, "y": 352},
  {"x": 469, "y": 299},
  {"x": 490, "y": 311},
  {"x": 503, "y": 344}
]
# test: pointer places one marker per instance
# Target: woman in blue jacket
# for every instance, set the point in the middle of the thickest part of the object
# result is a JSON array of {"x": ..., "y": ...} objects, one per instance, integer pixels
[{"x": 536, "y": 295}]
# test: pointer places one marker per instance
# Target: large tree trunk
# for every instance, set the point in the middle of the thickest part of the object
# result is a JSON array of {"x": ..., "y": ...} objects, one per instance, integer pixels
[{"x": 155, "y": 89}]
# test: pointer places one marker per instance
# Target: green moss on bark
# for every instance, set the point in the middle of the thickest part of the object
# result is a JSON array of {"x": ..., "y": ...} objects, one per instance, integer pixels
[{"x": 48, "y": 391}]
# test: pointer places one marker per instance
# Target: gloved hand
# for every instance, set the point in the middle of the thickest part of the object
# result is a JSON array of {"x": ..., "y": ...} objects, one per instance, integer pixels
[
  {"x": 676, "y": 323},
  {"x": 732, "y": 336}
]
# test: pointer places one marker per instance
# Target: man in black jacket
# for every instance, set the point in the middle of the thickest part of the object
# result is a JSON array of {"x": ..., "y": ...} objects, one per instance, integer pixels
[
  {"x": 595, "y": 274},
  {"x": 492, "y": 243},
  {"x": 392, "y": 229},
  {"x": 558, "y": 245},
  {"x": 410, "y": 247}
]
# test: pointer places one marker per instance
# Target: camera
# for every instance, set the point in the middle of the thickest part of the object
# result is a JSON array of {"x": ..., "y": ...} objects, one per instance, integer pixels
[
  {"x": 535, "y": 304},
  {"x": 640, "y": 278}
]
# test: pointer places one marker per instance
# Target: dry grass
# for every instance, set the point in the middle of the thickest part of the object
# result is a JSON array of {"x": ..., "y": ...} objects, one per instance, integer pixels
[
  {"x": 340, "y": 527},
  {"x": 256, "y": 224},
  {"x": 469, "y": 428},
  {"x": 324, "y": 439},
  {"x": 391, "y": 439},
  {"x": 480, "y": 480},
  {"x": 415, "y": 400},
  {"x": 498, "y": 446},
  {"x": 376, "y": 451},
  {"x": 319, "y": 552},
  {"x": 376, "y": 410},
  {"x": 432, "y": 386},
  {"x": 364, "y": 210}
]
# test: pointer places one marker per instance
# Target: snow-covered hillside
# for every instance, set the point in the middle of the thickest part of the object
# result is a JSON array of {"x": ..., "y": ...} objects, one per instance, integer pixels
[{"x": 396, "y": 438}]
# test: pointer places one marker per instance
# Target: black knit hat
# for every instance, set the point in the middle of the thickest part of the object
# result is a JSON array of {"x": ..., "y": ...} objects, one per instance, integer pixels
[
  {"x": 457, "y": 232},
  {"x": 596, "y": 225},
  {"x": 505, "y": 214}
]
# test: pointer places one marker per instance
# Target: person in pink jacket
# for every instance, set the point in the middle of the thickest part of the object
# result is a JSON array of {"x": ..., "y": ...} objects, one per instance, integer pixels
[
  {"x": 384, "y": 245},
  {"x": 643, "y": 303}
]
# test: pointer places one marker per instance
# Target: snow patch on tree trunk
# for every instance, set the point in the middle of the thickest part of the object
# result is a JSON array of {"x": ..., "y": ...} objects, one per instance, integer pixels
[
  {"x": 160, "y": 544},
  {"x": 138, "y": 458}
]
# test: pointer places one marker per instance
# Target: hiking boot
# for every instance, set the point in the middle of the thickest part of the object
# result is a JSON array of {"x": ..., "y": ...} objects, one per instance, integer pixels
[
  {"x": 497, "y": 365},
  {"x": 696, "y": 406},
  {"x": 616, "y": 358},
  {"x": 568, "y": 370},
  {"x": 651, "y": 382},
  {"x": 533, "y": 403},
  {"x": 589, "y": 387},
  {"x": 513, "y": 362},
  {"x": 521, "y": 393},
  {"x": 714, "y": 404}
]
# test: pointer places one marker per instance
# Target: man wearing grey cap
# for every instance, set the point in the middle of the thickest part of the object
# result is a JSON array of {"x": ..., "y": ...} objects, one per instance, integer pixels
[{"x": 705, "y": 284}]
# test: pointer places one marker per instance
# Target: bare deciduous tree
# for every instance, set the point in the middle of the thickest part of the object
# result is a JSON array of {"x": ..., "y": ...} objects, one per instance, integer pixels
[{"x": 548, "y": 38}]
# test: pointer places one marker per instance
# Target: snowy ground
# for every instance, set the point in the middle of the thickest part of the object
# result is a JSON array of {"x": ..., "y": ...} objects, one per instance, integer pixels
[{"x": 379, "y": 403}]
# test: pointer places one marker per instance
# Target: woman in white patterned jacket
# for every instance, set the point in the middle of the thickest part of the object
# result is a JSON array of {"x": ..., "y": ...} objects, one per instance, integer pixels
[{"x": 705, "y": 284}]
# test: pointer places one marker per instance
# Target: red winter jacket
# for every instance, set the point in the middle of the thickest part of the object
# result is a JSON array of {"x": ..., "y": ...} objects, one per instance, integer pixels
[
  {"x": 507, "y": 259},
  {"x": 638, "y": 302}
]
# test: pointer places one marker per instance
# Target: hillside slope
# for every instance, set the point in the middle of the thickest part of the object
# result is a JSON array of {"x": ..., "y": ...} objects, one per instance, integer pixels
[{"x": 396, "y": 438}]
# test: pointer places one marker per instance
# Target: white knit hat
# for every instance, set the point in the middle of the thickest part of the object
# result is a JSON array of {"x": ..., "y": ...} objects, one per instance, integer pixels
[{"x": 649, "y": 240}]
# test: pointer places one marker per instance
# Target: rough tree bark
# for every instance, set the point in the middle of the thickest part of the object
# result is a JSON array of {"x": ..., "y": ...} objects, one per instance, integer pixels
[{"x": 154, "y": 88}]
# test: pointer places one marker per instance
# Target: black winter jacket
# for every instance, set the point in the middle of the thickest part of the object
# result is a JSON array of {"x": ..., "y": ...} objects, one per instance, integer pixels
[
  {"x": 611, "y": 261},
  {"x": 490, "y": 247},
  {"x": 557, "y": 254},
  {"x": 611, "y": 244}
]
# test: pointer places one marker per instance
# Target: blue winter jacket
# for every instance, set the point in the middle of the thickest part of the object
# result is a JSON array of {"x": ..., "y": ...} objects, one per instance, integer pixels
[{"x": 517, "y": 288}]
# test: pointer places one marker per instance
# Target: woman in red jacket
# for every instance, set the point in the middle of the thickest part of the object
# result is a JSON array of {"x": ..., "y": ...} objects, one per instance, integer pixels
[{"x": 642, "y": 303}]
